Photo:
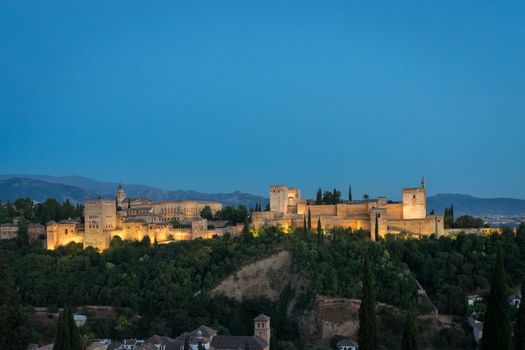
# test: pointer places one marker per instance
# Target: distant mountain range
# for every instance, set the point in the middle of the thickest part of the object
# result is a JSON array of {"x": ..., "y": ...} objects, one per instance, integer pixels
[
  {"x": 466, "y": 204},
  {"x": 79, "y": 188}
]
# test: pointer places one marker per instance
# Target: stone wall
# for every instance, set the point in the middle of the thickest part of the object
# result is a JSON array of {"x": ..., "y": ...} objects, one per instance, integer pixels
[
  {"x": 414, "y": 203},
  {"x": 61, "y": 234},
  {"x": 427, "y": 226},
  {"x": 394, "y": 211}
]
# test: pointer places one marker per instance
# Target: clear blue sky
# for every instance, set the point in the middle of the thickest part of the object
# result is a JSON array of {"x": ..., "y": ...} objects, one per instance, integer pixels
[{"x": 226, "y": 95}]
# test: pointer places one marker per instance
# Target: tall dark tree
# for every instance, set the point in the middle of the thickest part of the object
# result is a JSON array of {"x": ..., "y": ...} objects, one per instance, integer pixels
[
  {"x": 23, "y": 236},
  {"x": 519, "y": 326},
  {"x": 200, "y": 346},
  {"x": 186, "y": 344},
  {"x": 319, "y": 197},
  {"x": 14, "y": 333},
  {"x": 206, "y": 213},
  {"x": 309, "y": 219},
  {"x": 376, "y": 233},
  {"x": 409, "y": 339},
  {"x": 305, "y": 229},
  {"x": 367, "y": 336},
  {"x": 246, "y": 225},
  {"x": 350, "y": 193},
  {"x": 497, "y": 330},
  {"x": 63, "y": 335},
  {"x": 319, "y": 231},
  {"x": 74, "y": 334}
]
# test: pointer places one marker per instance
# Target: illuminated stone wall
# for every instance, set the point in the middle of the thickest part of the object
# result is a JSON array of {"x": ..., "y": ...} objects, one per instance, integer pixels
[
  {"x": 427, "y": 226},
  {"x": 414, "y": 203},
  {"x": 183, "y": 211},
  {"x": 394, "y": 211},
  {"x": 63, "y": 233},
  {"x": 100, "y": 218}
]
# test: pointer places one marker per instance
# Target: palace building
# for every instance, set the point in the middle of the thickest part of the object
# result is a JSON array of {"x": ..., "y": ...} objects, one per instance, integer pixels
[
  {"x": 134, "y": 219},
  {"x": 288, "y": 209}
]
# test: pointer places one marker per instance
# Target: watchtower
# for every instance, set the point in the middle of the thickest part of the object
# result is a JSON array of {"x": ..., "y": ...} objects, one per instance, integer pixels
[{"x": 261, "y": 327}]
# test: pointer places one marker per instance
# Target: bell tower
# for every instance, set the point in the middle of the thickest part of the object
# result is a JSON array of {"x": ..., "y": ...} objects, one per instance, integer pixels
[
  {"x": 121, "y": 194},
  {"x": 261, "y": 327}
]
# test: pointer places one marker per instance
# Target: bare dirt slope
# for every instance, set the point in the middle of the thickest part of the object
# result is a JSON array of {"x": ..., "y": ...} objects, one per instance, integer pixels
[{"x": 263, "y": 278}]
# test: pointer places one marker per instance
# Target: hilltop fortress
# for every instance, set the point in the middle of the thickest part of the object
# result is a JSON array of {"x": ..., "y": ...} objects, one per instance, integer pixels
[
  {"x": 136, "y": 219},
  {"x": 133, "y": 219},
  {"x": 287, "y": 209}
]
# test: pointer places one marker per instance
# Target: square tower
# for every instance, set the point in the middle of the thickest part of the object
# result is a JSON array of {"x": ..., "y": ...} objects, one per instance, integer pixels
[
  {"x": 261, "y": 327},
  {"x": 100, "y": 218},
  {"x": 284, "y": 199},
  {"x": 414, "y": 203}
]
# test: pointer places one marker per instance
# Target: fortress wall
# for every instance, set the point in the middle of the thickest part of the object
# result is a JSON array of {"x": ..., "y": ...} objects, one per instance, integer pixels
[
  {"x": 352, "y": 209},
  {"x": 326, "y": 222},
  {"x": 260, "y": 217},
  {"x": 62, "y": 234},
  {"x": 426, "y": 226},
  {"x": 394, "y": 211},
  {"x": 322, "y": 210}
]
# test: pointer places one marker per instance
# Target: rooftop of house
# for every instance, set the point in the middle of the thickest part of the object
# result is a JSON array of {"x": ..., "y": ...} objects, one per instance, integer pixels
[
  {"x": 346, "y": 342},
  {"x": 262, "y": 317},
  {"x": 238, "y": 342}
]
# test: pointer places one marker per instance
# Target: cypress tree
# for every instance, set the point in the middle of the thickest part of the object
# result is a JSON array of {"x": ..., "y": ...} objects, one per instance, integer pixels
[
  {"x": 409, "y": 340},
  {"x": 319, "y": 231},
  {"x": 367, "y": 336},
  {"x": 350, "y": 193},
  {"x": 497, "y": 331},
  {"x": 63, "y": 335},
  {"x": 246, "y": 226},
  {"x": 74, "y": 334},
  {"x": 186, "y": 344},
  {"x": 377, "y": 228},
  {"x": 309, "y": 219},
  {"x": 200, "y": 346},
  {"x": 319, "y": 197},
  {"x": 13, "y": 331},
  {"x": 305, "y": 232},
  {"x": 519, "y": 327}
]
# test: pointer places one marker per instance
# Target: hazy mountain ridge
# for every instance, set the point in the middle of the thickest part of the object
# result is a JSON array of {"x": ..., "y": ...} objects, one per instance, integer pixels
[
  {"x": 467, "y": 204},
  {"x": 79, "y": 188},
  {"x": 14, "y": 188}
]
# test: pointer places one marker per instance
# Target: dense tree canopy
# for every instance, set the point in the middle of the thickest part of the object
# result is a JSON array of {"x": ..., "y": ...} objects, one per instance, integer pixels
[
  {"x": 167, "y": 285},
  {"x": 42, "y": 213}
]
